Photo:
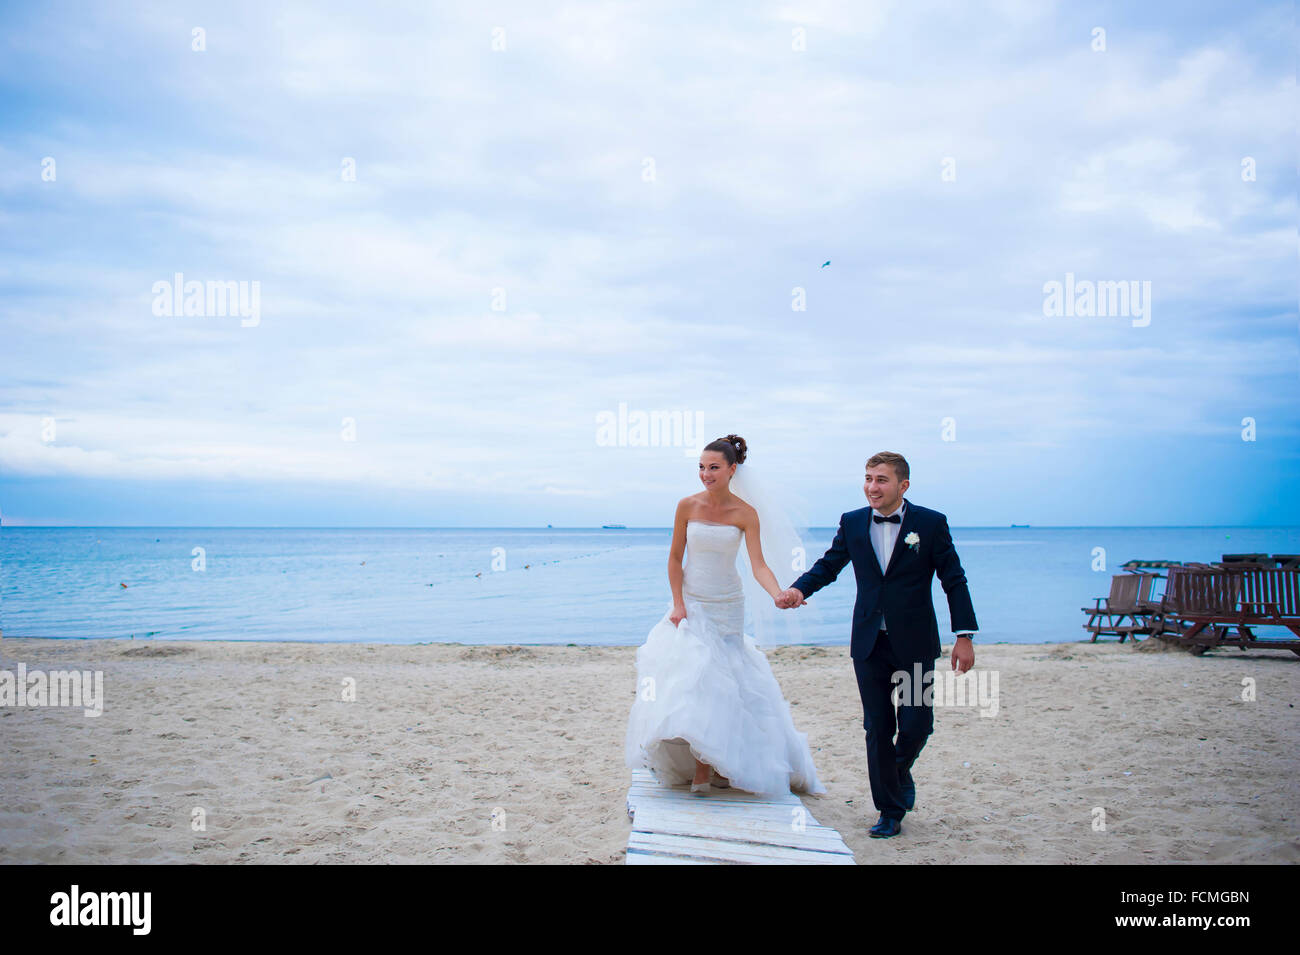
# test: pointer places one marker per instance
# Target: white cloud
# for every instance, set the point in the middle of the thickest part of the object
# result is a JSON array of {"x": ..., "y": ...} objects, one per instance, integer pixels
[{"x": 522, "y": 170}]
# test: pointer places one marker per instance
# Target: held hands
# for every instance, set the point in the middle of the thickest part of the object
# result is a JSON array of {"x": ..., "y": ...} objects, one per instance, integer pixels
[{"x": 789, "y": 598}]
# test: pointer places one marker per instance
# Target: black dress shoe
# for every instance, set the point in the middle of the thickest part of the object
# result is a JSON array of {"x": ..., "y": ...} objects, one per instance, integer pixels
[
  {"x": 885, "y": 828},
  {"x": 909, "y": 787}
]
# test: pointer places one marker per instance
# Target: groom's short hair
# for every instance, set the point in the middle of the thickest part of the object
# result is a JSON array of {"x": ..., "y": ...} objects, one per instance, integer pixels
[{"x": 901, "y": 470}]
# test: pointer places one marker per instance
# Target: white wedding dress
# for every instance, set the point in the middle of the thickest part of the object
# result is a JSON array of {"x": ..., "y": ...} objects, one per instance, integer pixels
[{"x": 705, "y": 689}]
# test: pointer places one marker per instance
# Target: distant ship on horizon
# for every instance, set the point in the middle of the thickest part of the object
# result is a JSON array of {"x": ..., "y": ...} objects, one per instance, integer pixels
[
  {"x": 613, "y": 527},
  {"x": 1019, "y": 525}
]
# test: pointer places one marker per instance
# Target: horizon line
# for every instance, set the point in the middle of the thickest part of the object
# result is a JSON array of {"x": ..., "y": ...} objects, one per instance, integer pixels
[{"x": 597, "y": 527}]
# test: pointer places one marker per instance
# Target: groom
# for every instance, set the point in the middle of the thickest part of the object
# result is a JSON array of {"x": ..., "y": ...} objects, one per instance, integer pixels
[{"x": 896, "y": 548}]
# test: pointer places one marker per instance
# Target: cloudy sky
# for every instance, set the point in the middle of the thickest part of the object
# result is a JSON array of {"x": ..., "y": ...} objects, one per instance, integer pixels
[{"x": 476, "y": 227}]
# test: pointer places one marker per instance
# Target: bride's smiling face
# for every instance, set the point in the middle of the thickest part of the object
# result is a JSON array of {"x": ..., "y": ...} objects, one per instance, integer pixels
[{"x": 715, "y": 472}]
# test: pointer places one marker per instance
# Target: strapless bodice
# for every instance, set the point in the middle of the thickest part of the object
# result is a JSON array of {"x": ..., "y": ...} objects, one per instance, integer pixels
[{"x": 709, "y": 571}]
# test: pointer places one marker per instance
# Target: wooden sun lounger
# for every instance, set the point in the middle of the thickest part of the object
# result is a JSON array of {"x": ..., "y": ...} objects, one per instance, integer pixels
[
  {"x": 1271, "y": 597},
  {"x": 1197, "y": 599},
  {"x": 1203, "y": 605},
  {"x": 1129, "y": 600},
  {"x": 1242, "y": 561}
]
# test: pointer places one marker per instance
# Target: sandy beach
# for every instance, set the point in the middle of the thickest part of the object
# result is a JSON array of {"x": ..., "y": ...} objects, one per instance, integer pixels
[{"x": 514, "y": 754}]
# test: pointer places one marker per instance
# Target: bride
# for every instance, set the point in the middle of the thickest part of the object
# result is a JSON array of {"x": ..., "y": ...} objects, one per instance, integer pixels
[{"x": 708, "y": 709}]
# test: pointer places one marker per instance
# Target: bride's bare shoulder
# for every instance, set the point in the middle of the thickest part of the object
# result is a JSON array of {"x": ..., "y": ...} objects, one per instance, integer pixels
[{"x": 688, "y": 504}]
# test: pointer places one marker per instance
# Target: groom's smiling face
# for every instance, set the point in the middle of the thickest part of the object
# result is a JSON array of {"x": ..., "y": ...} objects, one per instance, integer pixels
[{"x": 883, "y": 488}]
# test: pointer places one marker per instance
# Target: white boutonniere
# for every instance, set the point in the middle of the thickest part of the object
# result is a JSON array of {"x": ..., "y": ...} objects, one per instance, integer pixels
[{"x": 912, "y": 541}]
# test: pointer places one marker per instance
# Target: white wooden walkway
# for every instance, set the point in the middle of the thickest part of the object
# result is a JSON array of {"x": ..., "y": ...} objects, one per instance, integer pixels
[{"x": 673, "y": 826}]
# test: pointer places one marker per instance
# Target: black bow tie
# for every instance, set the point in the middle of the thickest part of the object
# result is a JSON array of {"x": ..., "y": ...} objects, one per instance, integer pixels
[{"x": 891, "y": 519}]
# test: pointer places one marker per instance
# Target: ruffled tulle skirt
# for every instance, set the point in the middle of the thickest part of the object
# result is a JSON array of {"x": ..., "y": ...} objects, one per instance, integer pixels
[{"x": 706, "y": 691}]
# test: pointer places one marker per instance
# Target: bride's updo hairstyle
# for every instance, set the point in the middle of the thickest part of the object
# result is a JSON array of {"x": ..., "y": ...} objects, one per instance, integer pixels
[{"x": 732, "y": 447}]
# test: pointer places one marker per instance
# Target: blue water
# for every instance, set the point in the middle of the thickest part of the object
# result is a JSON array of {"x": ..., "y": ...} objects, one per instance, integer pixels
[{"x": 558, "y": 586}]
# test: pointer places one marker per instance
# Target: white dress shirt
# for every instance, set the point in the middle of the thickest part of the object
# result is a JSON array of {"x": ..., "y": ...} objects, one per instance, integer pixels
[{"x": 883, "y": 535}]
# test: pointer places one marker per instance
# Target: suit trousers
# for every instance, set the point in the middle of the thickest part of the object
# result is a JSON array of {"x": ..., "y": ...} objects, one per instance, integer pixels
[{"x": 880, "y": 718}]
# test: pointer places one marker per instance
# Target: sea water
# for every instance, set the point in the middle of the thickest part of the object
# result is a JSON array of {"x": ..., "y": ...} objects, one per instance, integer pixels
[{"x": 521, "y": 586}]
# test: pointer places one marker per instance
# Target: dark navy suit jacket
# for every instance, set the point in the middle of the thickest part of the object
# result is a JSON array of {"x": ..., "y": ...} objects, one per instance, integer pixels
[{"x": 902, "y": 593}]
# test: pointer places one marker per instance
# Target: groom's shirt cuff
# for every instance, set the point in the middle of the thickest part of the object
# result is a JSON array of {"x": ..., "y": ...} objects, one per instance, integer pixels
[{"x": 965, "y": 633}]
